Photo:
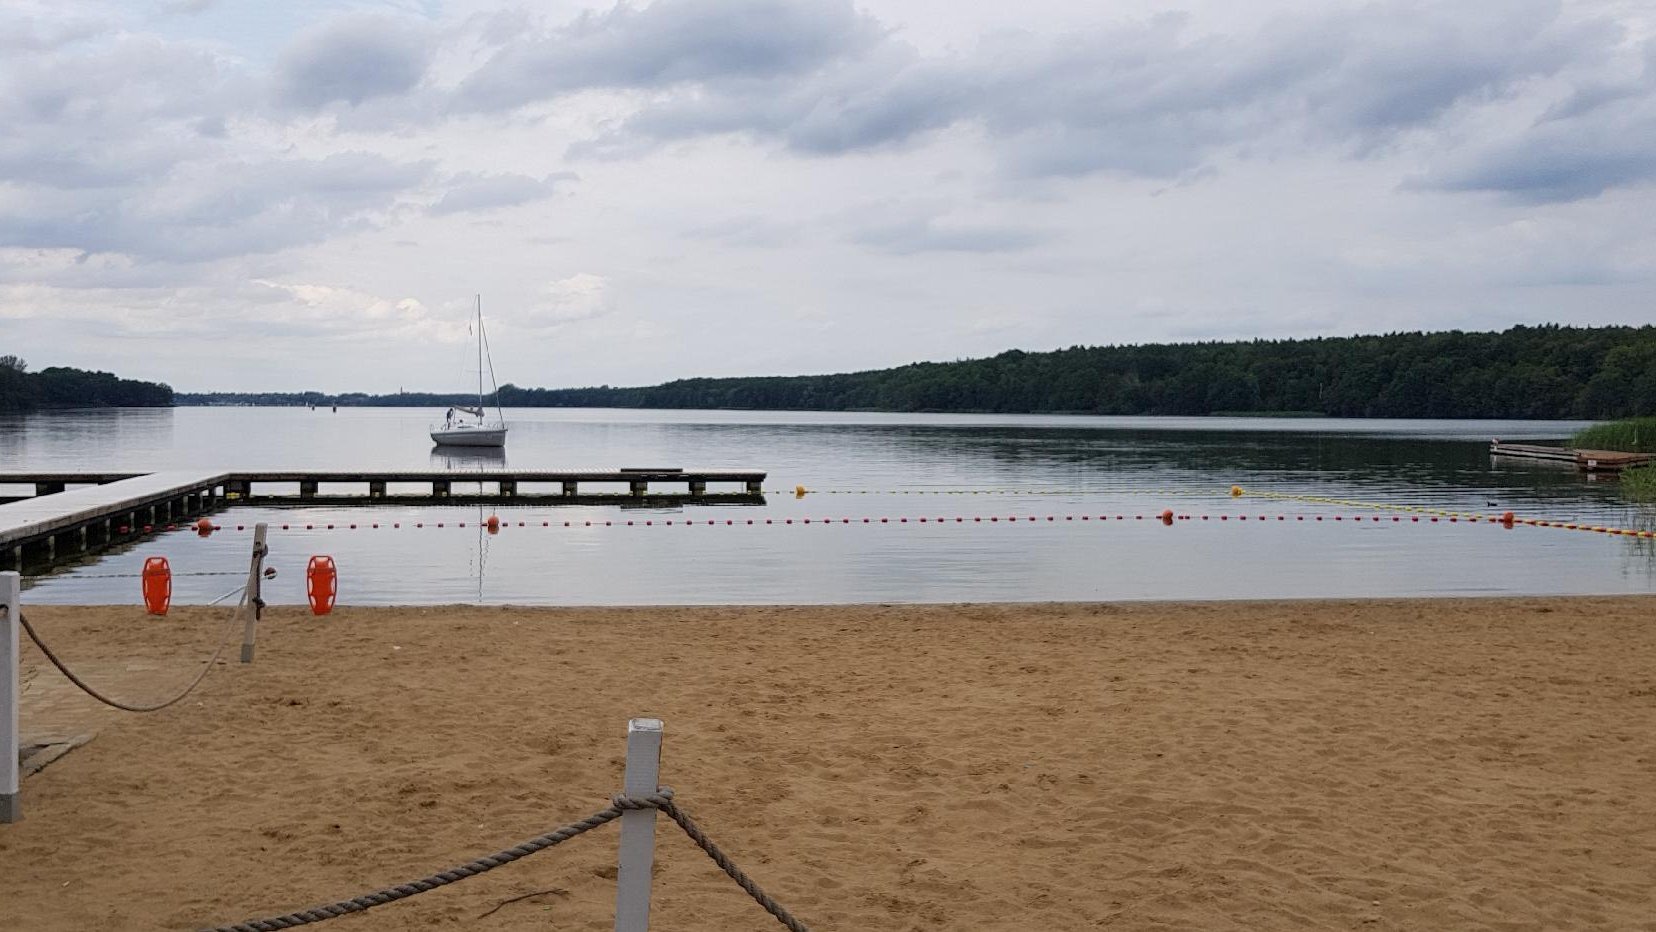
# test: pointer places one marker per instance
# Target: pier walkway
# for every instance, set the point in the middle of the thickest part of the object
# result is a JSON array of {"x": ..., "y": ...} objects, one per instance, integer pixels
[
  {"x": 1584, "y": 460},
  {"x": 107, "y": 507},
  {"x": 79, "y": 519}
]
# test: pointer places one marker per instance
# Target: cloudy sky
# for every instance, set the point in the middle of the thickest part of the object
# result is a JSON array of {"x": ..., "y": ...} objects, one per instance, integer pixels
[{"x": 244, "y": 195}]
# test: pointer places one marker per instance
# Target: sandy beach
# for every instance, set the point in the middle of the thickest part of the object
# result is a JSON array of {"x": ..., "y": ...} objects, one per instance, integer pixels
[{"x": 1411, "y": 764}]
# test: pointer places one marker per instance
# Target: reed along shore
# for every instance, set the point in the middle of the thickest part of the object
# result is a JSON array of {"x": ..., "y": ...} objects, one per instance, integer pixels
[{"x": 1399, "y": 764}]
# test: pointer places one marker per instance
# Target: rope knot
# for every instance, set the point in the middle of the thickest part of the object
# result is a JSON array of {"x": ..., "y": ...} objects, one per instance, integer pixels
[{"x": 660, "y": 799}]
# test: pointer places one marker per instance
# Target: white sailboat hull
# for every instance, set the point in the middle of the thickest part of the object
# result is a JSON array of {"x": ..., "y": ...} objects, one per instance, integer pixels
[
  {"x": 482, "y": 432},
  {"x": 469, "y": 436}
]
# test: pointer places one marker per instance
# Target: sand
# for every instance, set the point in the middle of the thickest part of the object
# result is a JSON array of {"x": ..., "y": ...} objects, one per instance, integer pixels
[{"x": 1442, "y": 764}]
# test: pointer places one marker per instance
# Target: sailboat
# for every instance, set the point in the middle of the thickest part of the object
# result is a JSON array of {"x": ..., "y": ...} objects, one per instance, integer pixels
[{"x": 466, "y": 426}]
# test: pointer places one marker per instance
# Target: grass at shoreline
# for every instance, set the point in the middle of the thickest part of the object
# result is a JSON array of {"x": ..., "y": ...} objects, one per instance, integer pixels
[
  {"x": 1634, "y": 435},
  {"x": 1639, "y": 484}
]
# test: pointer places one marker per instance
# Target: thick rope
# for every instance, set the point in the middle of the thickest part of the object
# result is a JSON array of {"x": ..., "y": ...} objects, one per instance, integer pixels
[
  {"x": 661, "y": 799},
  {"x": 618, "y": 805},
  {"x": 129, "y": 706},
  {"x": 729, "y": 867}
]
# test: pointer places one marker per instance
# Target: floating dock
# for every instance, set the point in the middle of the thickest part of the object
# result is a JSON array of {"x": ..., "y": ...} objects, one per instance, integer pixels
[
  {"x": 1584, "y": 460},
  {"x": 105, "y": 508}
]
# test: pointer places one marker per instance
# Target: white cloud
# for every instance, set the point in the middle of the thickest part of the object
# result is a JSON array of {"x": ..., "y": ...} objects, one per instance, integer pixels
[
  {"x": 764, "y": 183},
  {"x": 582, "y": 296},
  {"x": 471, "y": 191},
  {"x": 353, "y": 58}
]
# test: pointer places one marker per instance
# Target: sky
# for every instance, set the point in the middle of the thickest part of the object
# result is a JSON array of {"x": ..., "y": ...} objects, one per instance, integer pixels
[{"x": 236, "y": 195}]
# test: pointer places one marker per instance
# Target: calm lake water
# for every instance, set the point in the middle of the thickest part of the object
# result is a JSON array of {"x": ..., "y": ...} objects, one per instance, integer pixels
[{"x": 987, "y": 465}]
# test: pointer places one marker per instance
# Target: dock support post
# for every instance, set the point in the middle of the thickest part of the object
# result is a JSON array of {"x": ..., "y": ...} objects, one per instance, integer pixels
[
  {"x": 48, "y": 488},
  {"x": 639, "y": 487},
  {"x": 376, "y": 488},
  {"x": 698, "y": 487},
  {"x": 307, "y": 488},
  {"x": 440, "y": 488},
  {"x": 632, "y": 878},
  {"x": 255, "y": 578},
  {"x": 11, "y": 592},
  {"x": 569, "y": 487},
  {"x": 508, "y": 488},
  {"x": 755, "y": 487}
]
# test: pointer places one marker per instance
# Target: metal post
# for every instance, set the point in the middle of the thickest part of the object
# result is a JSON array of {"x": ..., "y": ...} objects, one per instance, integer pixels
[
  {"x": 632, "y": 879},
  {"x": 11, "y": 590},
  {"x": 255, "y": 578}
]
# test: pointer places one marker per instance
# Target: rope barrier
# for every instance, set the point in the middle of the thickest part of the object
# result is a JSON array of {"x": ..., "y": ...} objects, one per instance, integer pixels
[
  {"x": 801, "y": 491},
  {"x": 240, "y": 588},
  {"x": 1238, "y": 492},
  {"x": 729, "y": 867},
  {"x": 897, "y": 520},
  {"x": 662, "y": 799},
  {"x": 129, "y": 706}
]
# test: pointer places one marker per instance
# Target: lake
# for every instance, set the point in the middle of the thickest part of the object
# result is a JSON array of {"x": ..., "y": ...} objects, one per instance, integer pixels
[{"x": 874, "y": 466}]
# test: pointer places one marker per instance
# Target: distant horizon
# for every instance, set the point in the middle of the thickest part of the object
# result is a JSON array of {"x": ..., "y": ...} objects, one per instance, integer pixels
[{"x": 1272, "y": 340}]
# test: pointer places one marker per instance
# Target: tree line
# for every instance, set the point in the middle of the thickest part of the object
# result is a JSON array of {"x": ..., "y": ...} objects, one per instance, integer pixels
[
  {"x": 1546, "y": 371},
  {"x": 65, "y": 387}
]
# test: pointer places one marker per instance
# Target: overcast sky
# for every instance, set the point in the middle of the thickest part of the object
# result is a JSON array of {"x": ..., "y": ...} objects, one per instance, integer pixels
[{"x": 245, "y": 195}]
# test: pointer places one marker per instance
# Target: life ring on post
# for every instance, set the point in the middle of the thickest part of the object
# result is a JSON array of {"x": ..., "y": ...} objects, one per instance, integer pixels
[
  {"x": 321, "y": 584},
  {"x": 157, "y": 578}
]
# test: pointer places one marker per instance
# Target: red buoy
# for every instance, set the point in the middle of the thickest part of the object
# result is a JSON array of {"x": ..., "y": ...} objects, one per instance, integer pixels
[
  {"x": 494, "y": 524},
  {"x": 321, "y": 584},
  {"x": 204, "y": 527},
  {"x": 1167, "y": 517},
  {"x": 157, "y": 577}
]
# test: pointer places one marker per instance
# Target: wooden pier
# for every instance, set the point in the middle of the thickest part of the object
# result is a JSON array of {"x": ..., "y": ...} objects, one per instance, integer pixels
[
  {"x": 105, "y": 508},
  {"x": 1584, "y": 460}
]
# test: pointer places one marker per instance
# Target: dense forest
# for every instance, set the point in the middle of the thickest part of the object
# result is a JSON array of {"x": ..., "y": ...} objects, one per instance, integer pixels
[
  {"x": 62, "y": 387},
  {"x": 1525, "y": 372}
]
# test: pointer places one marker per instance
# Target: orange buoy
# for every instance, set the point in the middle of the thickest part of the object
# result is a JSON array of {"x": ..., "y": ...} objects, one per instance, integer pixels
[
  {"x": 1167, "y": 517},
  {"x": 204, "y": 526},
  {"x": 1507, "y": 518},
  {"x": 494, "y": 524},
  {"x": 157, "y": 578},
  {"x": 321, "y": 584}
]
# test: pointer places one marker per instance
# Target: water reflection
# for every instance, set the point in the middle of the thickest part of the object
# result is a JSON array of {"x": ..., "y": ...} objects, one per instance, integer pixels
[{"x": 463, "y": 458}]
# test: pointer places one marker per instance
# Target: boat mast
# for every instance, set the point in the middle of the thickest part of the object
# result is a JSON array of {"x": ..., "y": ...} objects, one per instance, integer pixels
[{"x": 479, "y": 359}]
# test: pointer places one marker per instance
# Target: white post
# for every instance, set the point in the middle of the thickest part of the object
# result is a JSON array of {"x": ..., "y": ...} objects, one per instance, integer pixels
[
  {"x": 632, "y": 879},
  {"x": 11, "y": 592},
  {"x": 255, "y": 577}
]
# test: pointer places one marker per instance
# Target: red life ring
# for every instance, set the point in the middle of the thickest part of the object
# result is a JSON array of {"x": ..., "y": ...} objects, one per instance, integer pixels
[
  {"x": 321, "y": 584},
  {"x": 157, "y": 578}
]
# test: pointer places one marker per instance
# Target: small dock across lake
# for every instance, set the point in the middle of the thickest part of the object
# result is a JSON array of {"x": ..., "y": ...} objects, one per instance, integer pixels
[
  {"x": 1584, "y": 460},
  {"x": 104, "y": 508}
]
